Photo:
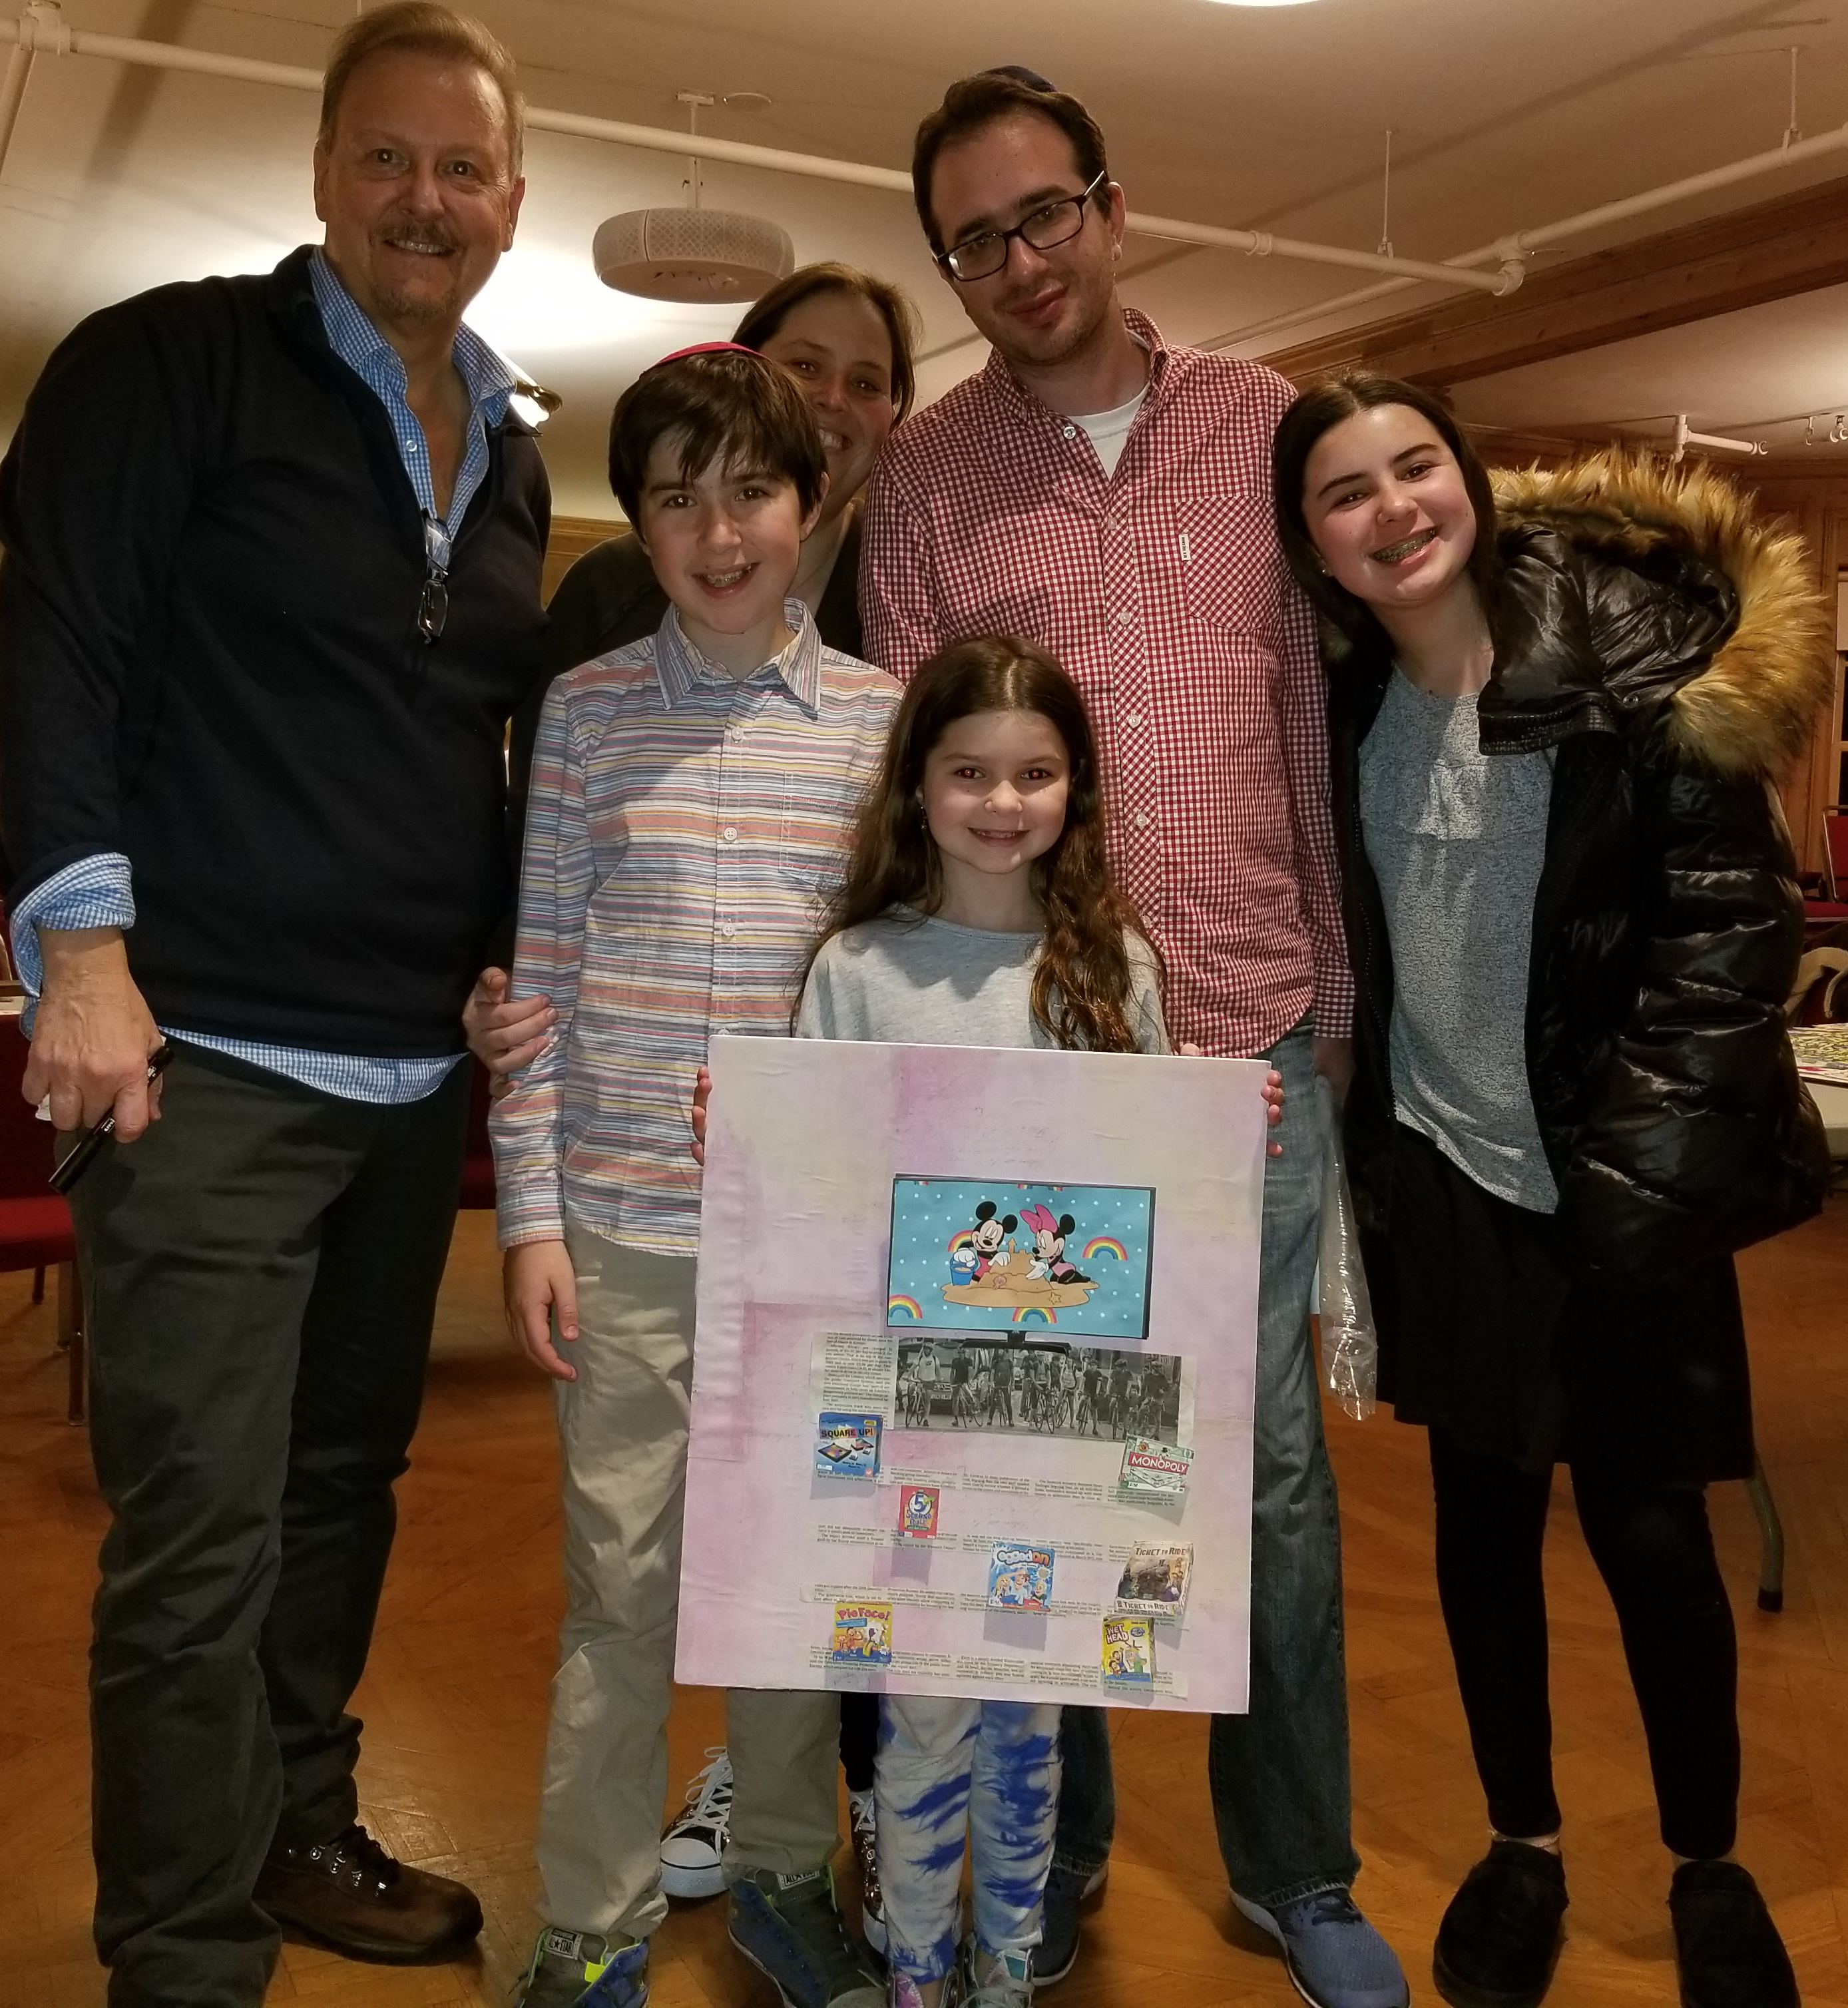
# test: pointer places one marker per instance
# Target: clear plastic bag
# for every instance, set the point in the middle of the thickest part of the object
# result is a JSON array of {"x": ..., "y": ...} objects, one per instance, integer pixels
[{"x": 1350, "y": 1347}]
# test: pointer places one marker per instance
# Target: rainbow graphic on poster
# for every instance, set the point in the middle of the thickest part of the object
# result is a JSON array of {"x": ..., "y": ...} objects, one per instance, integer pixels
[{"x": 1000, "y": 1254}]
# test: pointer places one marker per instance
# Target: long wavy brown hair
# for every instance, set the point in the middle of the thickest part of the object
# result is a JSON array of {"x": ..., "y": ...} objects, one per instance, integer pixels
[{"x": 1081, "y": 984}]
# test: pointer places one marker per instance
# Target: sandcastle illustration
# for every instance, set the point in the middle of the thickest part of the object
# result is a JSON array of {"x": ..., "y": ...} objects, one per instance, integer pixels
[{"x": 1007, "y": 1285}]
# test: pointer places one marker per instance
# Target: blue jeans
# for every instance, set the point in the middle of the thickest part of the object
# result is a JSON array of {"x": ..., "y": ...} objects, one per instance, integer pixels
[
  {"x": 987, "y": 1770},
  {"x": 1279, "y": 1774}
]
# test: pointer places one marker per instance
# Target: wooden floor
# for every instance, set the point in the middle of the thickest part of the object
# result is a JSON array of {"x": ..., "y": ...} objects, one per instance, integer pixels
[{"x": 454, "y": 1701}]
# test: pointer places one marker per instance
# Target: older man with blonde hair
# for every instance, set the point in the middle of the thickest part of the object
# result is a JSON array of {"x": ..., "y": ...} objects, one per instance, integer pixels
[{"x": 271, "y": 591}]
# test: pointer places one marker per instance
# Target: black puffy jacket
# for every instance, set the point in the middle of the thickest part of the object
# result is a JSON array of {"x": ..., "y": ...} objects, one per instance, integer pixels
[{"x": 1673, "y": 651}]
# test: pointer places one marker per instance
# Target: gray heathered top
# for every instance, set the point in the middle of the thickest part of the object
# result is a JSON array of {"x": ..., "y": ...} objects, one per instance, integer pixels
[
  {"x": 1456, "y": 838},
  {"x": 931, "y": 983}
]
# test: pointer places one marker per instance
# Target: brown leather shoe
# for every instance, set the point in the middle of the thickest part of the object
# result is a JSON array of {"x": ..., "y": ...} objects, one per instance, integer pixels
[{"x": 349, "y": 1895}]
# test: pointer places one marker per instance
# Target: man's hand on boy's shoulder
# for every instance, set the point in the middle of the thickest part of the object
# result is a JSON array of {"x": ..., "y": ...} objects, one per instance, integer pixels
[{"x": 504, "y": 1036}]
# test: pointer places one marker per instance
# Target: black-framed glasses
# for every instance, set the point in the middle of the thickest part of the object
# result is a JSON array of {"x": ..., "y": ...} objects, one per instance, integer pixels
[
  {"x": 433, "y": 603},
  {"x": 985, "y": 254}
]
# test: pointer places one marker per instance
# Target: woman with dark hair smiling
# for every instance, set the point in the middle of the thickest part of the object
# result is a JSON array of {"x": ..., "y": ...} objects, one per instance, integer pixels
[
  {"x": 848, "y": 339},
  {"x": 1557, "y": 709}
]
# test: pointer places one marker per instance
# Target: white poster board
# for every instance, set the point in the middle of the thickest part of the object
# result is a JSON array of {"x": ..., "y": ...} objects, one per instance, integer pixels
[{"x": 1103, "y": 1213}]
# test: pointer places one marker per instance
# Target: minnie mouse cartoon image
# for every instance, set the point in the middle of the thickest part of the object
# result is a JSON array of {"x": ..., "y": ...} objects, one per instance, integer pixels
[
  {"x": 987, "y": 1236},
  {"x": 1049, "y": 1237}
]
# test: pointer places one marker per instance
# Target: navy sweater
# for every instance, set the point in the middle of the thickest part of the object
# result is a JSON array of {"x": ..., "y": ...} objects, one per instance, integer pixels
[{"x": 209, "y": 660}]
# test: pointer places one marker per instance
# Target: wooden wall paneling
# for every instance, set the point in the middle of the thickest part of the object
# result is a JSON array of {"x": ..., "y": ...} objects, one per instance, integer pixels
[
  {"x": 571, "y": 537},
  {"x": 1503, "y": 446},
  {"x": 1771, "y": 251},
  {"x": 1813, "y": 498}
]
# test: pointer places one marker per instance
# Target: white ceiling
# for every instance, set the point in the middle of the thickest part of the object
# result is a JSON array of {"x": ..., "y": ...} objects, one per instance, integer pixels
[{"x": 1507, "y": 113}]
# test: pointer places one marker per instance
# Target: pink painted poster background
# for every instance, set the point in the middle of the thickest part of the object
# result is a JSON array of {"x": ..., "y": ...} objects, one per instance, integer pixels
[{"x": 806, "y": 1137}]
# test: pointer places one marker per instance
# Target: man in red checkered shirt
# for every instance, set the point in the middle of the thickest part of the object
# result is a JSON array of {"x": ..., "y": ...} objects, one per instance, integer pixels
[{"x": 1110, "y": 497}]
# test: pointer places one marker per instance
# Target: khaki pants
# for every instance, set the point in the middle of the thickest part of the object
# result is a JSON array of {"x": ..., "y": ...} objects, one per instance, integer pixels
[{"x": 622, "y": 1427}]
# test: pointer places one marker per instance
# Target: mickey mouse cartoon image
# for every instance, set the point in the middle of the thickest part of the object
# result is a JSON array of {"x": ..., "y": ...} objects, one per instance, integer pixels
[
  {"x": 988, "y": 1235},
  {"x": 1049, "y": 1237}
]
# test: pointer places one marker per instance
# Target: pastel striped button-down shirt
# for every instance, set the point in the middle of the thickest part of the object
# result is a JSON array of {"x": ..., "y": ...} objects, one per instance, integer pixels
[{"x": 682, "y": 833}]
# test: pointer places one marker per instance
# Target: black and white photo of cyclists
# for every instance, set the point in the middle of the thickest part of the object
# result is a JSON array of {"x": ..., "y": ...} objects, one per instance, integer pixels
[{"x": 1036, "y": 1389}]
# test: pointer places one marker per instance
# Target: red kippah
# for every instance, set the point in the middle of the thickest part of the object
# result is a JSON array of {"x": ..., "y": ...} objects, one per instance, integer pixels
[{"x": 706, "y": 348}]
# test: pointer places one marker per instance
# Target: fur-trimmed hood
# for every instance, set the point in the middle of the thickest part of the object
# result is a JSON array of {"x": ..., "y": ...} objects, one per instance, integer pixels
[{"x": 1748, "y": 705}]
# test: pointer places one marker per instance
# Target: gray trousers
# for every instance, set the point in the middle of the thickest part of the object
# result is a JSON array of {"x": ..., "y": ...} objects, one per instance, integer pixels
[
  {"x": 622, "y": 1427},
  {"x": 260, "y": 1272}
]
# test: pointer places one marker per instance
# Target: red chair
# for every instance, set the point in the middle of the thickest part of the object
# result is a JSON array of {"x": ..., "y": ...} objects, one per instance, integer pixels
[
  {"x": 1831, "y": 904},
  {"x": 35, "y": 1224}
]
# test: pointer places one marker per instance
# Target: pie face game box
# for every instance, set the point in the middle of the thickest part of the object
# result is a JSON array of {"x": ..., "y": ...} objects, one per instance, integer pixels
[{"x": 862, "y": 1635}]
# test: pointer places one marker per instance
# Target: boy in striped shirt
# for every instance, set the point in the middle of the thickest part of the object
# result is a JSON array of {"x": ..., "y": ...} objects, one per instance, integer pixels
[{"x": 691, "y": 798}]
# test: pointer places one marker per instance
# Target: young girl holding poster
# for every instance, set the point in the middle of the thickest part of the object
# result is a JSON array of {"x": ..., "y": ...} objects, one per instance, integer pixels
[{"x": 978, "y": 910}]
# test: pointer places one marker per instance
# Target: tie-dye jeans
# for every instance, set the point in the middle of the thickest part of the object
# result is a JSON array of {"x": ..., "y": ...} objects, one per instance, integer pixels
[{"x": 985, "y": 1770}]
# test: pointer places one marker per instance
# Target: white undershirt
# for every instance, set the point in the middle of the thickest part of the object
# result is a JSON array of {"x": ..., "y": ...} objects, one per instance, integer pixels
[{"x": 1107, "y": 430}]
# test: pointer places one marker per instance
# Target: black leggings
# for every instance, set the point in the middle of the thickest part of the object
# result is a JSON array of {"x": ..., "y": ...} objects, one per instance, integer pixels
[
  {"x": 859, "y": 1739},
  {"x": 1654, "y": 1549}
]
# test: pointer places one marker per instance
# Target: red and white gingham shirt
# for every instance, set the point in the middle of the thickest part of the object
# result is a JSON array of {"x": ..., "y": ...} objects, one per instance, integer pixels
[{"x": 1162, "y": 592}]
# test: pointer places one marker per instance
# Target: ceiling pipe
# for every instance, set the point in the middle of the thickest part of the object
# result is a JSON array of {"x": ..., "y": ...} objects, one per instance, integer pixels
[
  {"x": 12, "y": 90},
  {"x": 41, "y": 25},
  {"x": 1684, "y": 439},
  {"x": 28, "y": 34},
  {"x": 1523, "y": 242},
  {"x": 1264, "y": 244}
]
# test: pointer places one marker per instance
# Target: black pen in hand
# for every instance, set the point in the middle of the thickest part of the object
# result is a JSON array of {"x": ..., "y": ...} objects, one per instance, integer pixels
[{"x": 78, "y": 1160}]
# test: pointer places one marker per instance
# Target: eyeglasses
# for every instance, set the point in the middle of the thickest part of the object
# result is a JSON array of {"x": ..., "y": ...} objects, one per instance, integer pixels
[
  {"x": 433, "y": 603},
  {"x": 985, "y": 254}
]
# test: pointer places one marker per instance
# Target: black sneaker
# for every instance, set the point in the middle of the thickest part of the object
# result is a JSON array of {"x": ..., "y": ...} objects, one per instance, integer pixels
[
  {"x": 1066, "y": 1890},
  {"x": 1499, "y": 1939},
  {"x": 1726, "y": 1947}
]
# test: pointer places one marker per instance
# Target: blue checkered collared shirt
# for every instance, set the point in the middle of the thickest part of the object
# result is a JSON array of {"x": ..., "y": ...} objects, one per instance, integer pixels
[{"x": 97, "y": 892}]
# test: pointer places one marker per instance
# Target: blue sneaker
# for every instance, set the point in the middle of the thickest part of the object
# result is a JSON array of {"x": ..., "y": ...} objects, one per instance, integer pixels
[
  {"x": 578, "y": 1970},
  {"x": 790, "y": 1929},
  {"x": 1334, "y": 1958}
]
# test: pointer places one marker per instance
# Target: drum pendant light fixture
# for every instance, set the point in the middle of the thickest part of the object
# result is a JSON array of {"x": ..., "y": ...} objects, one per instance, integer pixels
[{"x": 693, "y": 255}]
